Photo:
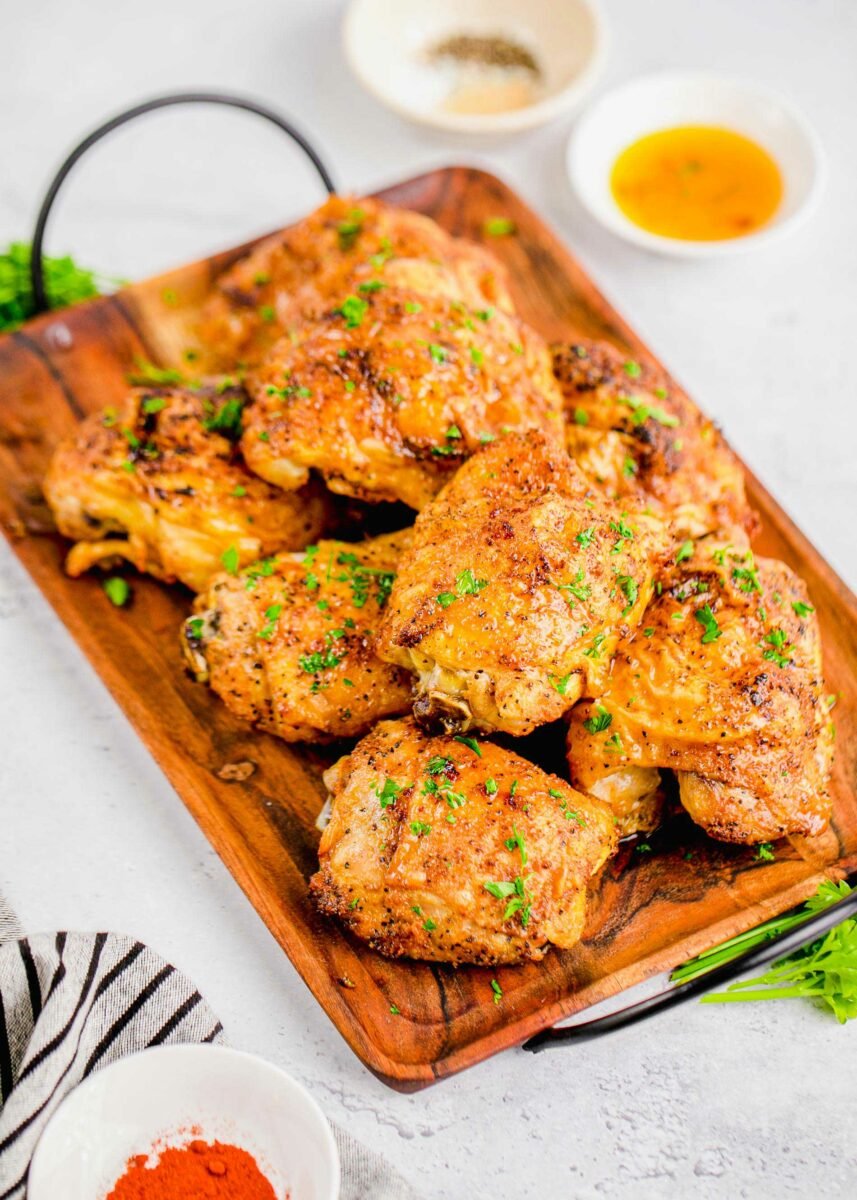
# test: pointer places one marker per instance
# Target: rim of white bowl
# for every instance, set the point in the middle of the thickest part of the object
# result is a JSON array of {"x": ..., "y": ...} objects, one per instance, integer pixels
[
  {"x": 611, "y": 217},
  {"x": 193, "y": 1050},
  {"x": 508, "y": 122}
]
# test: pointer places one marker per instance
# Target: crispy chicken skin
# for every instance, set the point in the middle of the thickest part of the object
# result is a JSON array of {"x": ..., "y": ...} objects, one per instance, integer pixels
[
  {"x": 288, "y": 643},
  {"x": 153, "y": 482},
  {"x": 722, "y": 684},
  {"x": 519, "y": 583},
  {"x": 633, "y": 431},
  {"x": 389, "y": 392},
  {"x": 330, "y": 253},
  {"x": 435, "y": 851}
]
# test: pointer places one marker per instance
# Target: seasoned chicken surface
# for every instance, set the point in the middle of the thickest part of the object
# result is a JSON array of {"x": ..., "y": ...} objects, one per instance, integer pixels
[
  {"x": 520, "y": 581},
  {"x": 156, "y": 481},
  {"x": 390, "y": 391},
  {"x": 455, "y": 852},
  {"x": 721, "y": 683},
  {"x": 340, "y": 246},
  {"x": 633, "y": 431},
  {"x": 288, "y": 643}
]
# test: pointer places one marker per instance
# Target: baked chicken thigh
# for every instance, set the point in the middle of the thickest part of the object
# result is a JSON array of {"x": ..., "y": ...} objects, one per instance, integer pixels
[
  {"x": 156, "y": 481},
  {"x": 343, "y": 244},
  {"x": 519, "y": 583},
  {"x": 288, "y": 642},
  {"x": 633, "y": 431},
  {"x": 439, "y": 850},
  {"x": 390, "y": 391},
  {"x": 721, "y": 683}
]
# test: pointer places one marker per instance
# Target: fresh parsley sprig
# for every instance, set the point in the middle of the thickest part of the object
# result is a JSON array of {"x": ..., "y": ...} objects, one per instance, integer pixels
[{"x": 824, "y": 970}]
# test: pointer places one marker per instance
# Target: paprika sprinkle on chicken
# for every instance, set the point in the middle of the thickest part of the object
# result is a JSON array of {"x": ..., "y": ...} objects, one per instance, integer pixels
[{"x": 210, "y": 1170}]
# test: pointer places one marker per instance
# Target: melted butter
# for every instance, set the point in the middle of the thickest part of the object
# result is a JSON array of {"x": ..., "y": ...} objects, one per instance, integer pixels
[{"x": 697, "y": 183}]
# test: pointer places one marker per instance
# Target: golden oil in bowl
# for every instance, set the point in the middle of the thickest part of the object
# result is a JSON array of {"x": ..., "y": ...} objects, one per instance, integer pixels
[{"x": 700, "y": 183}]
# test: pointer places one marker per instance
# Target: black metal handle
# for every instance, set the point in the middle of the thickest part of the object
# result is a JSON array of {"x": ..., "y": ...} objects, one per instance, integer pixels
[
  {"x": 776, "y": 947},
  {"x": 230, "y": 101}
]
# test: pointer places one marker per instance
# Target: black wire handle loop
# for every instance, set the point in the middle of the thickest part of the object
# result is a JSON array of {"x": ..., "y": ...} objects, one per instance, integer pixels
[
  {"x": 774, "y": 948},
  {"x": 37, "y": 274}
]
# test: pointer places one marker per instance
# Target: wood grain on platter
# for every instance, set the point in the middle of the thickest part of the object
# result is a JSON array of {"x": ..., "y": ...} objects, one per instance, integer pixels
[{"x": 256, "y": 799}]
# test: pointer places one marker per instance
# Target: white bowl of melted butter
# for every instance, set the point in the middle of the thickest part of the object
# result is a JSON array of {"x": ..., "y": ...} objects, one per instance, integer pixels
[{"x": 476, "y": 66}]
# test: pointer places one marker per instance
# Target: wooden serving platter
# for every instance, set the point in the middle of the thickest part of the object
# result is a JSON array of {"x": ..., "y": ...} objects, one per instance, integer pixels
[{"x": 256, "y": 799}]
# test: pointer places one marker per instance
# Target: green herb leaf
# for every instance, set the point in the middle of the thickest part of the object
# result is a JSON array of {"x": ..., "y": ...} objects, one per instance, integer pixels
[
  {"x": 498, "y": 226},
  {"x": 118, "y": 590}
]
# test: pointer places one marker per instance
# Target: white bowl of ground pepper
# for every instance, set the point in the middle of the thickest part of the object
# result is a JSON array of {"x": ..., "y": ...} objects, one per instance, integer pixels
[{"x": 476, "y": 66}]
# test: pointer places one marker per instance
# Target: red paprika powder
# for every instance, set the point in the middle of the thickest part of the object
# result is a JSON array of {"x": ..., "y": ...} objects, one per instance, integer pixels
[{"x": 197, "y": 1171}]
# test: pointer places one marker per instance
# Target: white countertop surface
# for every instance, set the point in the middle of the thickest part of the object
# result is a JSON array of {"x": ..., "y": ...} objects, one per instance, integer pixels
[{"x": 733, "y": 1101}]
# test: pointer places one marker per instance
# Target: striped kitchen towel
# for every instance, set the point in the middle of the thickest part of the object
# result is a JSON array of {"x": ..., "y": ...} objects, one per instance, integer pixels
[{"x": 71, "y": 1003}]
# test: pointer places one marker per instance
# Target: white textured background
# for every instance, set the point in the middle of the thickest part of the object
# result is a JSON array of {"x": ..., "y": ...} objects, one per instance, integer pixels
[{"x": 747, "y": 1101}]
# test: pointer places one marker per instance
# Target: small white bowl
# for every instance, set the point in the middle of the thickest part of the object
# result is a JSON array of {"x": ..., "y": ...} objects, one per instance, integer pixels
[
  {"x": 159, "y": 1096},
  {"x": 386, "y": 45},
  {"x": 670, "y": 99}
]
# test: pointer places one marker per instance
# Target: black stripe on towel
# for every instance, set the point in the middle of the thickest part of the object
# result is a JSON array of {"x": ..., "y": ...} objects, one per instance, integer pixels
[
  {"x": 131, "y": 1011},
  {"x": 176, "y": 1019},
  {"x": 33, "y": 985},
  {"x": 59, "y": 1038}
]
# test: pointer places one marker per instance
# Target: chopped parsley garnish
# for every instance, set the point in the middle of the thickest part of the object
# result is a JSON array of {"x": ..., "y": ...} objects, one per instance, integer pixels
[
  {"x": 470, "y": 742},
  {"x": 397, "y": 1012},
  {"x": 226, "y": 419},
  {"x": 389, "y": 792},
  {"x": 747, "y": 578},
  {"x": 601, "y": 721},
  {"x": 438, "y": 764},
  {"x": 153, "y": 404},
  {"x": 711, "y": 631},
  {"x": 349, "y": 230},
  {"x": 476, "y": 356},
  {"x": 497, "y": 990},
  {"x": 438, "y": 354},
  {"x": 429, "y": 925},
  {"x": 466, "y": 584},
  {"x": 685, "y": 550},
  {"x": 195, "y": 628},
  {"x": 418, "y": 828},
  {"x": 585, "y": 536},
  {"x": 623, "y": 531},
  {"x": 581, "y": 416},
  {"x": 515, "y": 891},
  {"x": 632, "y": 369},
  {"x": 560, "y": 683},
  {"x": 491, "y": 787},
  {"x": 271, "y": 616},
  {"x": 453, "y": 432},
  {"x": 593, "y": 650},
  {"x": 266, "y": 313},
  {"x": 262, "y": 569},
  {"x": 632, "y": 592},
  {"x": 765, "y": 852},
  {"x": 371, "y": 285},
  {"x": 320, "y": 660},
  {"x": 118, "y": 590},
  {"x": 779, "y": 649},
  {"x": 413, "y": 306},
  {"x": 614, "y": 743},
  {"x": 229, "y": 559},
  {"x": 577, "y": 588},
  {"x": 353, "y": 309},
  {"x": 802, "y": 610},
  {"x": 516, "y": 842},
  {"x": 629, "y": 467},
  {"x": 498, "y": 226},
  {"x": 239, "y": 490}
]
